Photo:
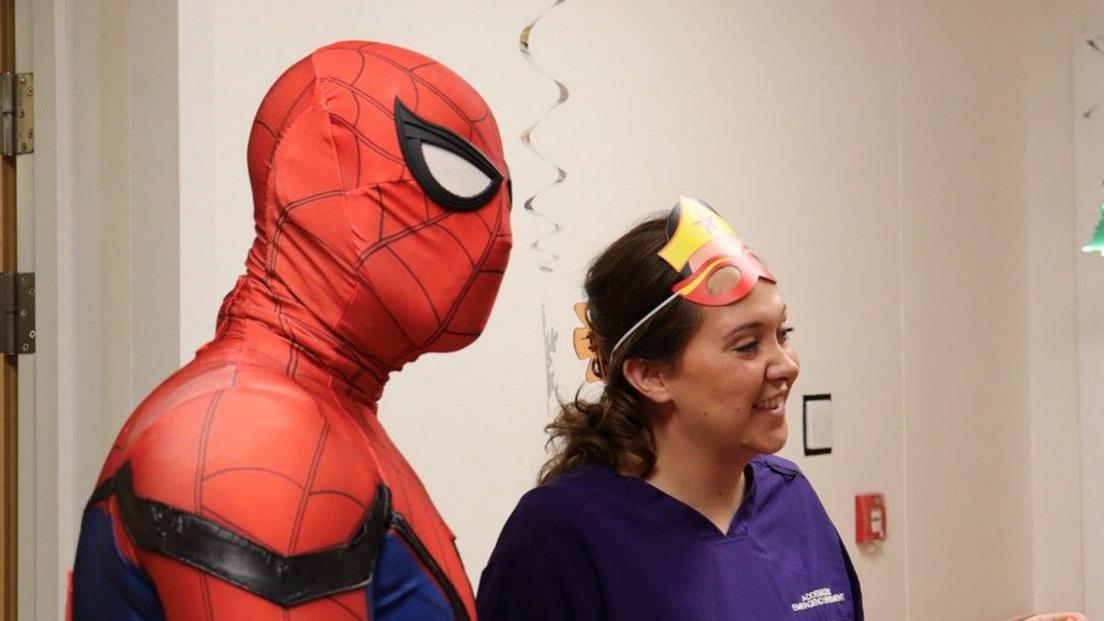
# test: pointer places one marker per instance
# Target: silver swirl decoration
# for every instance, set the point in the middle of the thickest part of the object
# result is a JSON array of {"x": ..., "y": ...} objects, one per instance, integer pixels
[
  {"x": 527, "y": 140},
  {"x": 1095, "y": 43},
  {"x": 548, "y": 333}
]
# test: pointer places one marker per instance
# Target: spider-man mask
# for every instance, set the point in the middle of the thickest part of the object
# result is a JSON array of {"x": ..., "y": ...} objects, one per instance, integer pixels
[{"x": 381, "y": 202}]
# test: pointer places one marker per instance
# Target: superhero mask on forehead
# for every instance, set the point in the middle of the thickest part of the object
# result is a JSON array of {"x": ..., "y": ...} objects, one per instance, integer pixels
[{"x": 699, "y": 244}]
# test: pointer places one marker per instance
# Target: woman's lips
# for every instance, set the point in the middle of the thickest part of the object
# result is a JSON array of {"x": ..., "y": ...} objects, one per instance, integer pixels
[{"x": 779, "y": 411}]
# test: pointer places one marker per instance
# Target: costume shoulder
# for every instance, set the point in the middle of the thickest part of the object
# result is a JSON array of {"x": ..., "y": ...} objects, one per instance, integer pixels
[
  {"x": 257, "y": 481},
  {"x": 263, "y": 455}
]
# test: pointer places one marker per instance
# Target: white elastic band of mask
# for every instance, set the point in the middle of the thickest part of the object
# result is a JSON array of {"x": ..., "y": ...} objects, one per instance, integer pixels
[{"x": 641, "y": 322}]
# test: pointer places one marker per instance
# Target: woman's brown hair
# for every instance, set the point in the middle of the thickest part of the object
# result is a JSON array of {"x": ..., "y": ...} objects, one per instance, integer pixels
[{"x": 626, "y": 281}]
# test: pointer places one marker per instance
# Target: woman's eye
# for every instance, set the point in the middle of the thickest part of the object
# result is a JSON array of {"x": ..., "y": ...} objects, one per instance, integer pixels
[
  {"x": 784, "y": 335},
  {"x": 748, "y": 348}
]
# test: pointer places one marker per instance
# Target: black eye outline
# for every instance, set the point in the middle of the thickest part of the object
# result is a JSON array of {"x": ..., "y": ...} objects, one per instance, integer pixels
[{"x": 414, "y": 131}]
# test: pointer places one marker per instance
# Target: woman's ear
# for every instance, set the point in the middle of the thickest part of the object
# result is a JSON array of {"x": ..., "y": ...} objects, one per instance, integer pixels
[{"x": 648, "y": 378}]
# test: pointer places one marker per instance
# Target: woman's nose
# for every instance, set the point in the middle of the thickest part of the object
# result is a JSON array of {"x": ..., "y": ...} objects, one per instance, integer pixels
[{"x": 785, "y": 366}]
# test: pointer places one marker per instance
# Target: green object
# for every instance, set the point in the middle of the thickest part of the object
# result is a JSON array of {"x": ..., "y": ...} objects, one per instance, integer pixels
[{"x": 1097, "y": 243}]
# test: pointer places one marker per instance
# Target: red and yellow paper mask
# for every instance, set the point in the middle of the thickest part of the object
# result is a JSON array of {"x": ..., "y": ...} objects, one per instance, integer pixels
[{"x": 699, "y": 244}]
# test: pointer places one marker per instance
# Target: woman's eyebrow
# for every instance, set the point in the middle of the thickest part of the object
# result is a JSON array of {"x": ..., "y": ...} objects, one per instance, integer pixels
[
  {"x": 740, "y": 328},
  {"x": 751, "y": 324}
]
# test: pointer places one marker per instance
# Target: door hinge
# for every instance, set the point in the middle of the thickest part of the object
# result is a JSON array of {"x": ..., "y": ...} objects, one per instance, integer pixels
[
  {"x": 17, "y": 313},
  {"x": 17, "y": 109}
]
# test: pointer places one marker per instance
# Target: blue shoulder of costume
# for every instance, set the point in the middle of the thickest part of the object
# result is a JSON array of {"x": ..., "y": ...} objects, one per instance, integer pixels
[
  {"x": 106, "y": 586},
  {"x": 402, "y": 589}
]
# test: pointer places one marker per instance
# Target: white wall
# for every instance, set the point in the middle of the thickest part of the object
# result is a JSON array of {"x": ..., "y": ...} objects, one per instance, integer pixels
[
  {"x": 1089, "y": 194},
  {"x": 893, "y": 162},
  {"x": 967, "y": 440},
  {"x": 1054, "y": 236},
  {"x": 114, "y": 143},
  {"x": 156, "y": 202}
]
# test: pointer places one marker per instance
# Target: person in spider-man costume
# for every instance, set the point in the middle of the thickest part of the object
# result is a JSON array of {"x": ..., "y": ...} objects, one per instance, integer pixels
[{"x": 257, "y": 482}]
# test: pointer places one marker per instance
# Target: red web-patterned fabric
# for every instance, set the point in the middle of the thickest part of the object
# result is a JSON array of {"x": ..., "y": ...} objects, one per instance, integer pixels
[{"x": 272, "y": 431}]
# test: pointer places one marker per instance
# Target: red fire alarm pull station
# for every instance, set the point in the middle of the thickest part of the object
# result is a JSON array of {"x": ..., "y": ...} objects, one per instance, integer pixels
[{"x": 870, "y": 518}]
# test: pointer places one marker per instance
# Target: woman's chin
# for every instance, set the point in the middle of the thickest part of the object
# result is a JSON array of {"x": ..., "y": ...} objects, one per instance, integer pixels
[{"x": 770, "y": 441}]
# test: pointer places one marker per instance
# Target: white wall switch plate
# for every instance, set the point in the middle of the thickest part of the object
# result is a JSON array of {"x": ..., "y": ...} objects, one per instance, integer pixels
[{"x": 817, "y": 423}]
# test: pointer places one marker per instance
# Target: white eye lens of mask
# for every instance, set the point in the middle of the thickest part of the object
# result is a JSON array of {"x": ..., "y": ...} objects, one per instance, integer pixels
[{"x": 453, "y": 172}]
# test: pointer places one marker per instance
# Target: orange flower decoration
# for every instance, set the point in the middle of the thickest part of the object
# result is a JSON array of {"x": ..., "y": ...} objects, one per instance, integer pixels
[{"x": 586, "y": 346}]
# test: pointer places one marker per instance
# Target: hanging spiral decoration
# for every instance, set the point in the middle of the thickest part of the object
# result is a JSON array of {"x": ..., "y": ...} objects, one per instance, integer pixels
[{"x": 527, "y": 139}]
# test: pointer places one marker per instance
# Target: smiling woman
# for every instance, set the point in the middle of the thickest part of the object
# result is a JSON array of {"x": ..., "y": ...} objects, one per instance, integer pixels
[
  {"x": 663, "y": 500},
  {"x": 723, "y": 403}
]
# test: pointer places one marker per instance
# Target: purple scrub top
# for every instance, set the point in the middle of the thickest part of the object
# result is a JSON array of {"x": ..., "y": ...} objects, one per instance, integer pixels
[{"x": 593, "y": 544}]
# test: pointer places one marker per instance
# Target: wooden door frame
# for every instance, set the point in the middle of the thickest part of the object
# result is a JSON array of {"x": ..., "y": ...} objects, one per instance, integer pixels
[{"x": 9, "y": 379}]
